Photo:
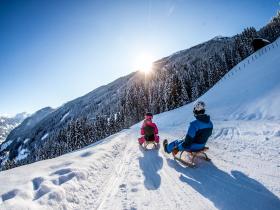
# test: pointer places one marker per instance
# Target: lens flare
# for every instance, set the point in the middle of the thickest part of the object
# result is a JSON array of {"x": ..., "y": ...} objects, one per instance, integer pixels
[{"x": 144, "y": 63}]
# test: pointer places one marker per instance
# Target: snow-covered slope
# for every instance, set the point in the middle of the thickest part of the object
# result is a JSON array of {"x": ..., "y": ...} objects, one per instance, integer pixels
[
  {"x": 27, "y": 125},
  {"x": 9, "y": 123},
  {"x": 116, "y": 174},
  {"x": 13, "y": 145},
  {"x": 251, "y": 90}
]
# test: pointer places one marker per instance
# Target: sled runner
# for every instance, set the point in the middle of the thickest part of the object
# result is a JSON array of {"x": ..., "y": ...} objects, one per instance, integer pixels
[
  {"x": 190, "y": 156},
  {"x": 150, "y": 145}
]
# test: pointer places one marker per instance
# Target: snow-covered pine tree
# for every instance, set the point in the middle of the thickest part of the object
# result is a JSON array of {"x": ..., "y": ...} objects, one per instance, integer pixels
[{"x": 272, "y": 30}]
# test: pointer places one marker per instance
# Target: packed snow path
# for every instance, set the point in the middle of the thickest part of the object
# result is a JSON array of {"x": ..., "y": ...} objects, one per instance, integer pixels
[
  {"x": 116, "y": 174},
  {"x": 226, "y": 183}
]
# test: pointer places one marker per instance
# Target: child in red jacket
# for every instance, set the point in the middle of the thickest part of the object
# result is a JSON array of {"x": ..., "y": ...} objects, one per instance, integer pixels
[{"x": 149, "y": 130}]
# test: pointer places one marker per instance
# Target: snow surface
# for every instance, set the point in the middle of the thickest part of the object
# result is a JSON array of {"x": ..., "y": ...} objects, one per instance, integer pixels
[
  {"x": 116, "y": 174},
  {"x": 7, "y": 124},
  {"x": 45, "y": 136},
  {"x": 64, "y": 117},
  {"x": 22, "y": 154},
  {"x": 26, "y": 140},
  {"x": 5, "y": 145}
]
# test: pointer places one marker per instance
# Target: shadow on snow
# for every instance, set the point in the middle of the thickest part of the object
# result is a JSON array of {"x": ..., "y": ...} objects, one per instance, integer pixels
[
  {"x": 227, "y": 191},
  {"x": 150, "y": 164}
]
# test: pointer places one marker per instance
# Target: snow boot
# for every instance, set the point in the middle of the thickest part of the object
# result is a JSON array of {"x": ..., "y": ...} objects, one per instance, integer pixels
[{"x": 165, "y": 143}]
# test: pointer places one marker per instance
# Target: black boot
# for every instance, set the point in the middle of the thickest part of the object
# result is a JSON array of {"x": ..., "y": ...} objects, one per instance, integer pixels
[{"x": 165, "y": 143}]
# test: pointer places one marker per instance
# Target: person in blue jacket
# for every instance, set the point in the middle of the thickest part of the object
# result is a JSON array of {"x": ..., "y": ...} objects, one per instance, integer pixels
[{"x": 198, "y": 133}]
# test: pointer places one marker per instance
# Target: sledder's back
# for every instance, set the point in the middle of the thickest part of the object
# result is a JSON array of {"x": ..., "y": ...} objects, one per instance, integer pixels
[
  {"x": 199, "y": 131},
  {"x": 203, "y": 131},
  {"x": 149, "y": 132}
]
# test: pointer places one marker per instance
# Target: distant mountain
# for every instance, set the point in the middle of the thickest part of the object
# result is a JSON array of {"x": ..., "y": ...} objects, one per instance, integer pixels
[
  {"x": 29, "y": 123},
  {"x": 18, "y": 126},
  {"x": 9, "y": 123},
  {"x": 175, "y": 80}
]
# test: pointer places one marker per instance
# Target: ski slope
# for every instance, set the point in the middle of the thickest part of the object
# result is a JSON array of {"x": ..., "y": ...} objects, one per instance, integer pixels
[{"x": 116, "y": 174}]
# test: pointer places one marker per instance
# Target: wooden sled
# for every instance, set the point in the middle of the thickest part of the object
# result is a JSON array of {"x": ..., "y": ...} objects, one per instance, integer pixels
[
  {"x": 153, "y": 143},
  {"x": 191, "y": 156}
]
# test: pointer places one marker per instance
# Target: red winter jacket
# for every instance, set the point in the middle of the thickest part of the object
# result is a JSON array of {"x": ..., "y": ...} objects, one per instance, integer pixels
[{"x": 149, "y": 123}]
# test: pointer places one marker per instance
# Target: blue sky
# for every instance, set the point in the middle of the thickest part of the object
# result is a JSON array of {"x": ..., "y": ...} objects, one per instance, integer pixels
[{"x": 52, "y": 51}]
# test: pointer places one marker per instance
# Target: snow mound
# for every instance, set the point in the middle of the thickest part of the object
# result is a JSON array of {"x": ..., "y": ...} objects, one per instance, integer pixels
[{"x": 250, "y": 91}]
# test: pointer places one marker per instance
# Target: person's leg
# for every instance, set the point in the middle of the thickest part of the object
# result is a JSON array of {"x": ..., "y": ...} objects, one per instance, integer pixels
[
  {"x": 171, "y": 146},
  {"x": 141, "y": 140},
  {"x": 196, "y": 147},
  {"x": 181, "y": 146},
  {"x": 156, "y": 138}
]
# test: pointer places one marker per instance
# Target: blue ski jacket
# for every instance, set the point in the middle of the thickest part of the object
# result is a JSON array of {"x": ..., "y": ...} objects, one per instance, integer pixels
[{"x": 199, "y": 131}]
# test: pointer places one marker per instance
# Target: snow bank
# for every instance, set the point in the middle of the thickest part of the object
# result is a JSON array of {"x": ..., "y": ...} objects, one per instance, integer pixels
[{"x": 250, "y": 91}]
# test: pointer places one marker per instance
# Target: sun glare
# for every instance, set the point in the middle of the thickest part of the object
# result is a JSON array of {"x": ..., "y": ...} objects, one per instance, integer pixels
[{"x": 144, "y": 63}]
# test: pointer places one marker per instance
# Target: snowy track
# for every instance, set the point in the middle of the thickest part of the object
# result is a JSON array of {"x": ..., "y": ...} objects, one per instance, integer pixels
[
  {"x": 218, "y": 184},
  {"x": 117, "y": 174}
]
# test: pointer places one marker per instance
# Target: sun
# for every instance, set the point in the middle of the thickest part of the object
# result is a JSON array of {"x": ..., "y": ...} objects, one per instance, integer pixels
[{"x": 144, "y": 63}]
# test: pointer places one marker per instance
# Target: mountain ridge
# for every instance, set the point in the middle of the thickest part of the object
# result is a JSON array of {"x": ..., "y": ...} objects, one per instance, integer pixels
[{"x": 7, "y": 124}]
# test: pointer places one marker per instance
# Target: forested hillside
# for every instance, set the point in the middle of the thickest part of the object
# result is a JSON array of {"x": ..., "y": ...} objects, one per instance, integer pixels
[{"x": 175, "y": 80}]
